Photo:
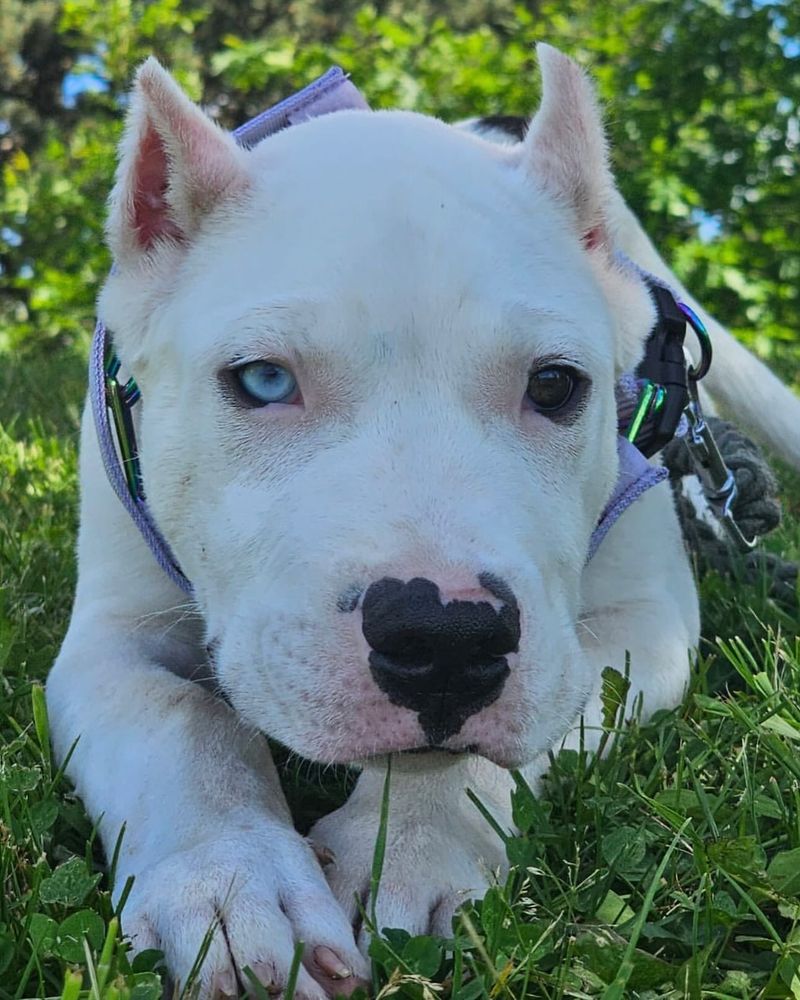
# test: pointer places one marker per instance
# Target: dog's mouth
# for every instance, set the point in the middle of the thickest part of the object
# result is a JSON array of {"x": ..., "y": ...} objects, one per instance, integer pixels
[{"x": 427, "y": 749}]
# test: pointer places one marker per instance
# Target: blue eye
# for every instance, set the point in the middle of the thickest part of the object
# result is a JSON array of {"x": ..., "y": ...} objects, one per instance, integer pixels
[{"x": 265, "y": 382}]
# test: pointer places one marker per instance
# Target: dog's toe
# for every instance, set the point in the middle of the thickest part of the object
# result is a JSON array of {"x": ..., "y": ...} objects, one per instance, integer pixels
[
  {"x": 226, "y": 917},
  {"x": 430, "y": 868}
]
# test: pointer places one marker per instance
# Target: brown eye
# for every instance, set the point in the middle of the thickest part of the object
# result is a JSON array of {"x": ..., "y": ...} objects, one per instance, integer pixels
[{"x": 550, "y": 389}]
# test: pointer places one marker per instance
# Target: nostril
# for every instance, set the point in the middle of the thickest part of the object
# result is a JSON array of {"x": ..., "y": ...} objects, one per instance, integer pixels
[
  {"x": 477, "y": 679},
  {"x": 395, "y": 669}
]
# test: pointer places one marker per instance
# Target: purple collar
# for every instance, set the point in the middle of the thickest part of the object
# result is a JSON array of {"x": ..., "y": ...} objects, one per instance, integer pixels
[{"x": 331, "y": 92}]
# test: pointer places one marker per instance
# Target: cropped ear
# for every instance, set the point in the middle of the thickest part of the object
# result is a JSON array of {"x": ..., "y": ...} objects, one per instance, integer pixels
[
  {"x": 565, "y": 148},
  {"x": 566, "y": 155},
  {"x": 175, "y": 166}
]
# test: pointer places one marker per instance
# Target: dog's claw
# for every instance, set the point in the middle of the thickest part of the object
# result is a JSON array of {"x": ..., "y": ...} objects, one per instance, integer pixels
[
  {"x": 262, "y": 910},
  {"x": 330, "y": 964},
  {"x": 224, "y": 986},
  {"x": 265, "y": 974}
]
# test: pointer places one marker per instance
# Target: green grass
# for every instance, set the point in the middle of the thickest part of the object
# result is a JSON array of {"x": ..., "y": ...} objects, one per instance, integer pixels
[{"x": 669, "y": 868}]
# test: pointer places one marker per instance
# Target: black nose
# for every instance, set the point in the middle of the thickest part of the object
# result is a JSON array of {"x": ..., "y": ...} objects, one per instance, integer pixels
[{"x": 445, "y": 662}]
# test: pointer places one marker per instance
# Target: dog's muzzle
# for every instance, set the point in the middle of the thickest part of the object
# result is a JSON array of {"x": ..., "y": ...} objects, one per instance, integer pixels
[{"x": 444, "y": 661}]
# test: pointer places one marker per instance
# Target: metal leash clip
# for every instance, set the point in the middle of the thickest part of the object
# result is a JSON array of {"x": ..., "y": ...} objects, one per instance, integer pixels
[{"x": 716, "y": 478}]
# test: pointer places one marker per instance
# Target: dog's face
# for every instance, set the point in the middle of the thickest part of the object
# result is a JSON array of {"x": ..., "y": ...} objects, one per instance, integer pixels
[{"x": 377, "y": 356}]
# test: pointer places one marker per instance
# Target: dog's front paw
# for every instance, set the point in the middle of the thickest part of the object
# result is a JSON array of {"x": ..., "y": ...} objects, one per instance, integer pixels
[
  {"x": 259, "y": 892},
  {"x": 438, "y": 854}
]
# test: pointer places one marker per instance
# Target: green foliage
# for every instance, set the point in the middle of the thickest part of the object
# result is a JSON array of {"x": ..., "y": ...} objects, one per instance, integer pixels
[
  {"x": 702, "y": 105},
  {"x": 668, "y": 868}
]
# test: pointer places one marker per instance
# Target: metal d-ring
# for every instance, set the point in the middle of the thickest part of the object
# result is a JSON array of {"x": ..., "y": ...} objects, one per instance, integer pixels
[{"x": 704, "y": 339}]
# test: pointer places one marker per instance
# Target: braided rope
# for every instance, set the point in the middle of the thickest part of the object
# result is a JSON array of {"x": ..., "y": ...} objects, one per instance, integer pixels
[{"x": 757, "y": 511}]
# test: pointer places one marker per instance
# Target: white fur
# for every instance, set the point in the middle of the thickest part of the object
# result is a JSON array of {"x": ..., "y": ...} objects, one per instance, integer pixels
[{"x": 409, "y": 274}]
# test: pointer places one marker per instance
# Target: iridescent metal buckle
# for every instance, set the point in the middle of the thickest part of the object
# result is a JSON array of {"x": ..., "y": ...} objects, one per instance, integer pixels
[{"x": 120, "y": 399}]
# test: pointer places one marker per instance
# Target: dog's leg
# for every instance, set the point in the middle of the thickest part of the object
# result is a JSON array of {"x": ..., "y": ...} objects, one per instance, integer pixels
[
  {"x": 208, "y": 836},
  {"x": 640, "y": 602},
  {"x": 440, "y": 850},
  {"x": 207, "y": 833}
]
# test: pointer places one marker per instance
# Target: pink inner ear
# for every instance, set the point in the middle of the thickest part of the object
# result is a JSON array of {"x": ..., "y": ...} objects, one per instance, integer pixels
[
  {"x": 151, "y": 210},
  {"x": 595, "y": 237}
]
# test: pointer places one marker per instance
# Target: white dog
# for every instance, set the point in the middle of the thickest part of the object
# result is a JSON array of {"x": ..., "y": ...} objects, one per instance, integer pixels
[{"x": 377, "y": 357}]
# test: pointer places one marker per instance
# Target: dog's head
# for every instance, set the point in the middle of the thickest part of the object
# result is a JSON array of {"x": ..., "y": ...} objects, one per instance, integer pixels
[{"x": 377, "y": 357}]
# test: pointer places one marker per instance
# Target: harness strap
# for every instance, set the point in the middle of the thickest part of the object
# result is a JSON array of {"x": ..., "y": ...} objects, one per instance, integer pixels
[
  {"x": 331, "y": 92},
  {"x": 101, "y": 358},
  {"x": 636, "y": 476}
]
